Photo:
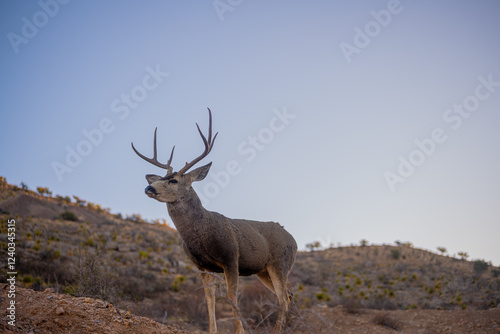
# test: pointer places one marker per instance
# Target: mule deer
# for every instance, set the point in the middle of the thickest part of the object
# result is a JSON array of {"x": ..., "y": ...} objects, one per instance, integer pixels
[{"x": 215, "y": 243}]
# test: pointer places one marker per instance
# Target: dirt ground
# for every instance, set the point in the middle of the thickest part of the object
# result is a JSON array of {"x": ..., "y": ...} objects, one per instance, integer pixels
[
  {"x": 340, "y": 320},
  {"x": 49, "y": 312}
]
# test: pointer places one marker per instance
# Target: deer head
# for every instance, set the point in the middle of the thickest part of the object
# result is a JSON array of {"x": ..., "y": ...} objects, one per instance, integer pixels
[{"x": 177, "y": 185}]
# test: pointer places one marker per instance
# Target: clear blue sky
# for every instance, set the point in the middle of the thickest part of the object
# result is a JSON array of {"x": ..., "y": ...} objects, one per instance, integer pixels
[{"x": 343, "y": 121}]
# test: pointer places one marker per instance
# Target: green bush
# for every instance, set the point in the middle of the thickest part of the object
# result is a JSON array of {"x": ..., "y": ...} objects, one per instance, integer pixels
[
  {"x": 323, "y": 297},
  {"x": 28, "y": 279},
  {"x": 395, "y": 254},
  {"x": 68, "y": 215},
  {"x": 89, "y": 242},
  {"x": 480, "y": 266}
]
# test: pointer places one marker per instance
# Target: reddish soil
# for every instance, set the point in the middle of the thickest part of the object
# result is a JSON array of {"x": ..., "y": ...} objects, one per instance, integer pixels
[{"x": 49, "y": 312}]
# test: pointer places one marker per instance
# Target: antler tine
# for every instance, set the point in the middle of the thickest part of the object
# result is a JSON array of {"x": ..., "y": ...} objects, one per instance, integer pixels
[
  {"x": 169, "y": 168},
  {"x": 210, "y": 127},
  {"x": 208, "y": 145},
  {"x": 154, "y": 160}
]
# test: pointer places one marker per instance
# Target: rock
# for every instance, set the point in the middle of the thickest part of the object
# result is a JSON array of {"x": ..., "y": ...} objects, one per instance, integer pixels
[
  {"x": 59, "y": 310},
  {"x": 111, "y": 245},
  {"x": 123, "y": 248}
]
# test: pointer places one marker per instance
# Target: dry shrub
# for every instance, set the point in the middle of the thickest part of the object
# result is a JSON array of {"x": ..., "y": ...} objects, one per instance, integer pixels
[
  {"x": 258, "y": 305},
  {"x": 93, "y": 279},
  {"x": 189, "y": 307},
  {"x": 384, "y": 320},
  {"x": 350, "y": 305}
]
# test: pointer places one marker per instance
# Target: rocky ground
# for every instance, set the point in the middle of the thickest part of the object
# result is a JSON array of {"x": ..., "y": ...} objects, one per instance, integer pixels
[{"x": 49, "y": 312}]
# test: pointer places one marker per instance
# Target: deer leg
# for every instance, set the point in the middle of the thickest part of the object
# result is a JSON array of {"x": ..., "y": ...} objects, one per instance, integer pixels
[
  {"x": 209, "y": 287},
  {"x": 232, "y": 293},
  {"x": 279, "y": 282},
  {"x": 266, "y": 280}
]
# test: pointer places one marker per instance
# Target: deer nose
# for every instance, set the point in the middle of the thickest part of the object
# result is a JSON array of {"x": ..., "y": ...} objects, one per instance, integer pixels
[{"x": 150, "y": 191}]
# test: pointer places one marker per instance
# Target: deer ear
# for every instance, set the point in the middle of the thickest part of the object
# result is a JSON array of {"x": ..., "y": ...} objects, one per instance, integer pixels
[
  {"x": 199, "y": 173},
  {"x": 152, "y": 178}
]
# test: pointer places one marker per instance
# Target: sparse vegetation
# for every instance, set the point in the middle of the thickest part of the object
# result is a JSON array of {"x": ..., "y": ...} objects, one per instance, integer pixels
[
  {"x": 44, "y": 191},
  {"x": 480, "y": 266},
  {"x": 386, "y": 321},
  {"x": 68, "y": 215},
  {"x": 442, "y": 250},
  {"x": 395, "y": 254},
  {"x": 316, "y": 245}
]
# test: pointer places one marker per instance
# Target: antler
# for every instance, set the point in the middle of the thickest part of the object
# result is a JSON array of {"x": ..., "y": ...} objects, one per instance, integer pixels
[
  {"x": 208, "y": 145},
  {"x": 154, "y": 160}
]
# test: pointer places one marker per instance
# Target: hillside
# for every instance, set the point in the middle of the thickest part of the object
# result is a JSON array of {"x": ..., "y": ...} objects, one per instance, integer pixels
[{"x": 79, "y": 249}]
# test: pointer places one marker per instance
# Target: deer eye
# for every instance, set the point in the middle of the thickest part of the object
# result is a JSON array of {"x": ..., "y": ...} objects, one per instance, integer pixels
[{"x": 172, "y": 181}]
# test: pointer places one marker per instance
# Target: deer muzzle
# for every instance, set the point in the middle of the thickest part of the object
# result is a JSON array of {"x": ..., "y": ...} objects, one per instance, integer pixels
[{"x": 150, "y": 191}]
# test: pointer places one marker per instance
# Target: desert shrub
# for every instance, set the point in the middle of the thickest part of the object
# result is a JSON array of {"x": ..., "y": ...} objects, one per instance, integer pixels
[
  {"x": 179, "y": 279},
  {"x": 350, "y": 305},
  {"x": 136, "y": 218},
  {"x": 48, "y": 255},
  {"x": 316, "y": 245},
  {"x": 395, "y": 254},
  {"x": 442, "y": 250},
  {"x": 384, "y": 320},
  {"x": 68, "y": 215},
  {"x": 44, "y": 191},
  {"x": 79, "y": 201},
  {"x": 89, "y": 242},
  {"x": 93, "y": 279},
  {"x": 381, "y": 302},
  {"x": 480, "y": 266},
  {"x": 323, "y": 296},
  {"x": 28, "y": 279},
  {"x": 258, "y": 305},
  {"x": 192, "y": 307}
]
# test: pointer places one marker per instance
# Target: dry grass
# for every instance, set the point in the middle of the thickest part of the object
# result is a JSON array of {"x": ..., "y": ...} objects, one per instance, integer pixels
[{"x": 385, "y": 320}]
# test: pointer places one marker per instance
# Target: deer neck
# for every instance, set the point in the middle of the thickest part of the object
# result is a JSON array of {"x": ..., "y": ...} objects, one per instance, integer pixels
[{"x": 187, "y": 213}]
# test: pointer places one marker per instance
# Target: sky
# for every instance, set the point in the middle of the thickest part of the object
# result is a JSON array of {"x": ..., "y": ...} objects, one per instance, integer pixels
[{"x": 341, "y": 120}]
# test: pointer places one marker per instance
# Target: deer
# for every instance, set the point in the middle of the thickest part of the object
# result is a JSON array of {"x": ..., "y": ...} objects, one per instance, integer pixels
[{"x": 218, "y": 244}]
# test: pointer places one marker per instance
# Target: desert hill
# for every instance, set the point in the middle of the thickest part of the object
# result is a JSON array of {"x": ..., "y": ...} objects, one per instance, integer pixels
[{"x": 80, "y": 250}]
